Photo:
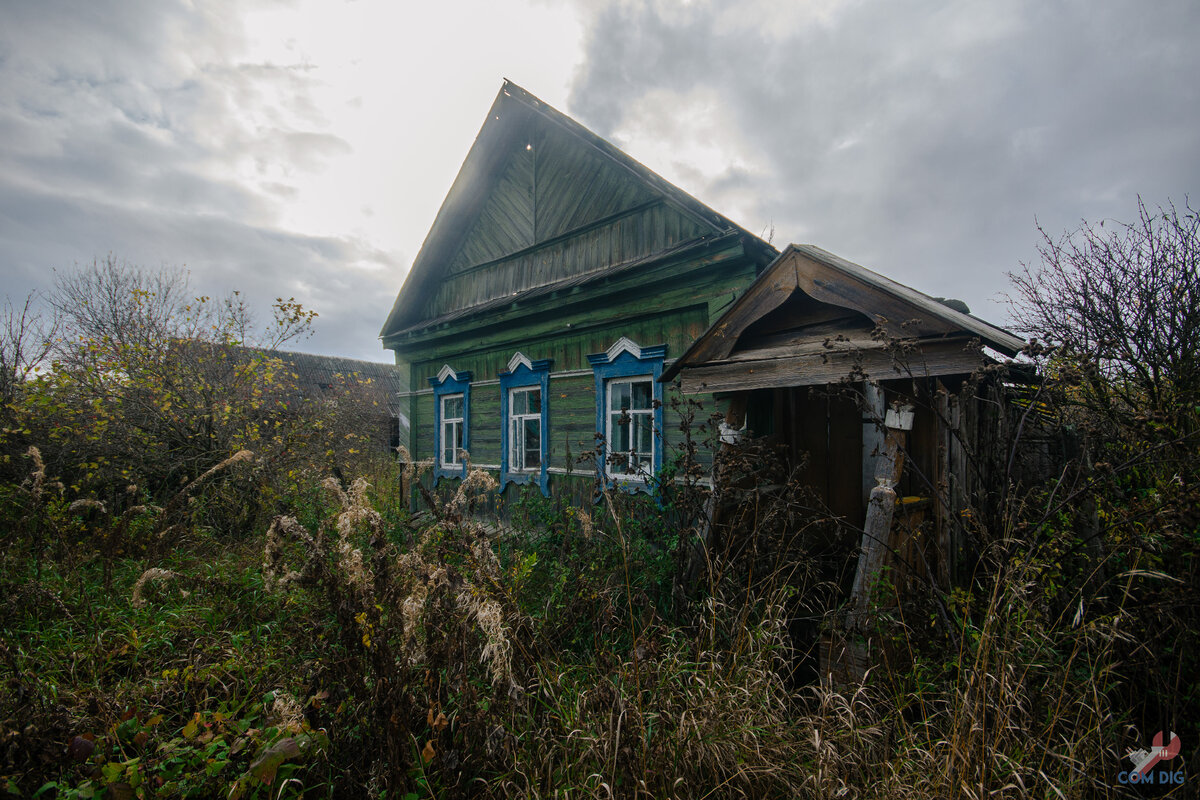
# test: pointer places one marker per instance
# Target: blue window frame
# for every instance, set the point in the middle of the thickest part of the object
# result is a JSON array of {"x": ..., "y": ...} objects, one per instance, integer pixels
[
  {"x": 525, "y": 411},
  {"x": 451, "y": 422},
  {"x": 629, "y": 413}
]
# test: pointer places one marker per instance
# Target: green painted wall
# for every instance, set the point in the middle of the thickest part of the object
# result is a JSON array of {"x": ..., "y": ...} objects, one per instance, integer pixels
[
  {"x": 675, "y": 315},
  {"x": 571, "y": 428}
]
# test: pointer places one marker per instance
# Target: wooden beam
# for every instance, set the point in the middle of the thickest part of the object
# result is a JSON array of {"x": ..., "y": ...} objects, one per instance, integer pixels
[
  {"x": 878, "y": 525},
  {"x": 818, "y": 369},
  {"x": 767, "y": 295}
]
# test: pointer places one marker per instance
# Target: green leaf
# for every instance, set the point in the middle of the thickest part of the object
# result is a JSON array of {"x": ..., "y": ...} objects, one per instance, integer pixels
[{"x": 265, "y": 766}]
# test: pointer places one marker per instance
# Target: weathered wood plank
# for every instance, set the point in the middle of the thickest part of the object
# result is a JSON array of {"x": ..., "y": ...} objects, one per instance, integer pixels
[
  {"x": 820, "y": 369},
  {"x": 761, "y": 300},
  {"x": 787, "y": 346},
  {"x": 628, "y": 237},
  {"x": 654, "y": 289},
  {"x": 505, "y": 222},
  {"x": 845, "y": 460}
]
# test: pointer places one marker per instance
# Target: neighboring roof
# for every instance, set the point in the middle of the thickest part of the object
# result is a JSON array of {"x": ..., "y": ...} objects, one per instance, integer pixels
[
  {"x": 491, "y": 168},
  {"x": 901, "y": 310},
  {"x": 316, "y": 374}
]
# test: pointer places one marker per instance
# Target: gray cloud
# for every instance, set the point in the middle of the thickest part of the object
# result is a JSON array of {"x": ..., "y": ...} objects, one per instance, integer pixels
[
  {"x": 918, "y": 138},
  {"x": 41, "y": 232},
  {"x": 134, "y": 129}
]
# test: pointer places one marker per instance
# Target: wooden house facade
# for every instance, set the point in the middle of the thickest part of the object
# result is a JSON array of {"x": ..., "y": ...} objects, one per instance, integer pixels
[{"x": 558, "y": 282}]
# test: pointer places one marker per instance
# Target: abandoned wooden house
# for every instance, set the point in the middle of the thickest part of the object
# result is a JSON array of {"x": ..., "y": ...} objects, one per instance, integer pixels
[
  {"x": 564, "y": 286},
  {"x": 559, "y": 279},
  {"x": 563, "y": 289},
  {"x": 861, "y": 381}
]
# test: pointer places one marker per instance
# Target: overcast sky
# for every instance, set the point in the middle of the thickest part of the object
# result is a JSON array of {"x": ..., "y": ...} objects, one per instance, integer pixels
[{"x": 303, "y": 148}]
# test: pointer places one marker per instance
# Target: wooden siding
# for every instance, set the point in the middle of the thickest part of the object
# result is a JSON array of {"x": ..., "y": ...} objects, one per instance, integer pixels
[
  {"x": 670, "y": 303},
  {"x": 571, "y": 425},
  {"x": 577, "y": 186},
  {"x": 568, "y": 351},
  {"x": 548, "y": 187},
  {"x": 826, "y": 431},
  {"x": 571, "y": 428},
  {"x": 616, "y": 240},
  {"x": 712, "y": 277},
  {"x": 506, "y": 219},
  {"x": 540, "y": 196}
]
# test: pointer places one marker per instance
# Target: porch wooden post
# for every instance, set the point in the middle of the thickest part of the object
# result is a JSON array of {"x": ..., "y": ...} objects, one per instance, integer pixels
[{"x": 878, "y": 525}]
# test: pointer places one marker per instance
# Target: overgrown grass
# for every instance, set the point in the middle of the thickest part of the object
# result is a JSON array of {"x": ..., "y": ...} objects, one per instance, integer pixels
[
  {"x": 351, "y": 650},
  {"x": 100, "y": 681}
]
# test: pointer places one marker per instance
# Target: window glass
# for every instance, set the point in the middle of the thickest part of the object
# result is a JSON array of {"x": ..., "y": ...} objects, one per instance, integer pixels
[
  {"x": 629, "y": 412},
  {"x": 642, "y": 395},
  {"x": 525, "y": 429},
  {"x": 452, "y": 430}
]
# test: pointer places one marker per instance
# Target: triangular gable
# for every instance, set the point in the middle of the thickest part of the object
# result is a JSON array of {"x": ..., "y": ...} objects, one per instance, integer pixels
[
  {"x": 532, "y": 190},
  {"x": 548, "y": 187},
  {"x": 806, "y": 273}
]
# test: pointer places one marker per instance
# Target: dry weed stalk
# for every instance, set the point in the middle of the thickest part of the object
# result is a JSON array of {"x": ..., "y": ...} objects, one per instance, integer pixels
[
  {"x": 408, "y": 619},
  {"x": 489, "y": 616},
  {"x": 36, "y": 520},
  {"x": 412, "y": 469},
  {"x": 86, "y": 504},
  {"x": 356, "y": 511},
  {"x": 285, "y": 711},
  {"x": 276, "y": 574},
  {"x": 477, "y": 483},
  {"x": 174, "y": 510},
  {"x": 149, "y": 577},
  {"x": 36, "y": 481}
]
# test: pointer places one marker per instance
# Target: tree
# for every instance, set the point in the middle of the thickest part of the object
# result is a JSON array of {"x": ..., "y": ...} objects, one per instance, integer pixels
[
  {"x": 26, "y": 340},
  {"x": 1119, "y": 306},
  {"x": 1120, "y": 303},
  {"x": 153, "y": 386}
]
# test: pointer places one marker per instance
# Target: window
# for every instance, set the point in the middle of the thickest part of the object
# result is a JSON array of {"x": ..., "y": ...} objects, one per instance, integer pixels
[
  {"x": 629, "y": 411},
  {"x": 525, "y": 433},
  {"x": 630, "y": 435},
  {"x": 525, "y": 411},
  {"x": 452, "y": 430},
  {"x": 452, "y": 422}
]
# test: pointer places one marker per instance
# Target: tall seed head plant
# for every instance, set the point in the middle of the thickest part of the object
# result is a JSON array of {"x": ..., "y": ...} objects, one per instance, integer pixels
[{"x": 426, "y": 632}]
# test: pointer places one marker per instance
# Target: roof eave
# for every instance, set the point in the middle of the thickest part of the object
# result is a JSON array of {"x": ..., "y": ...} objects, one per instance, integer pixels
[{"x": 997, "y": 338}]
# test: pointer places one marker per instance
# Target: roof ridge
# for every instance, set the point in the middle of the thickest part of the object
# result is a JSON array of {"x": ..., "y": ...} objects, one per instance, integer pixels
[{"x": 282, "y": 352}]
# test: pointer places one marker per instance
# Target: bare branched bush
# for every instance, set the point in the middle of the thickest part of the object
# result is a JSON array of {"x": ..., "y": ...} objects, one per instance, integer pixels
[
  {"x": 1121, "y": 303},
  {"x": 26, "y": 340}
]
